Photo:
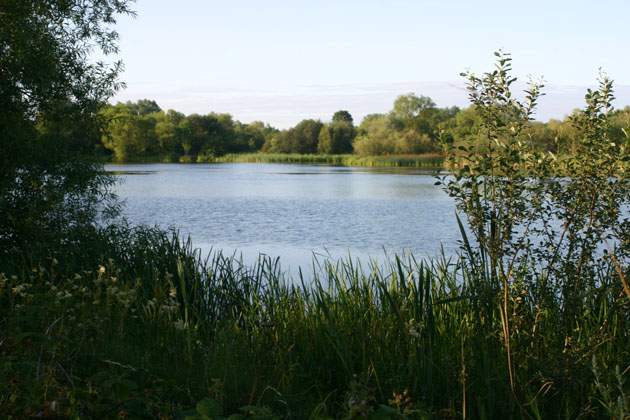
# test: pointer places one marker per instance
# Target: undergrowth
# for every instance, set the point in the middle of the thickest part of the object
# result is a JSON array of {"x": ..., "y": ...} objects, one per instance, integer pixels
[{"x": 151, "y": 329}]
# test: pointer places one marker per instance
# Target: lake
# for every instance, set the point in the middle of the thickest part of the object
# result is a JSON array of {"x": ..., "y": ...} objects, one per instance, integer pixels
[{"x": 293, "y": 211}]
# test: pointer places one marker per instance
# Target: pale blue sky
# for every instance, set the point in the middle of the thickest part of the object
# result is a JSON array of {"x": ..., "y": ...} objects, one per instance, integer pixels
[{"x": 283, "y": 61}]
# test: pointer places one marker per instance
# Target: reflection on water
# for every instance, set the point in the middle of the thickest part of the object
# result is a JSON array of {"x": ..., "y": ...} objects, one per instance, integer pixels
[{"x": 266, "y": 209}]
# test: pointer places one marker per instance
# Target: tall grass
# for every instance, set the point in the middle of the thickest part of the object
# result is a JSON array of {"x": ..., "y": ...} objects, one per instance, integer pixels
[{"x": 151, "y": 328}]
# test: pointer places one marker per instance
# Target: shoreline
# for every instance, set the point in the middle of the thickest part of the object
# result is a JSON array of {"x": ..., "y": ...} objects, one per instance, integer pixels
[{"x": 425, "y": 160}]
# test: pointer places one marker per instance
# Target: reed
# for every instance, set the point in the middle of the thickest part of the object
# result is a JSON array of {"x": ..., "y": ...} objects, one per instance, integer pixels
[
  {"x": 152, "y": 327},
  {"x": 428, "y": 160}
]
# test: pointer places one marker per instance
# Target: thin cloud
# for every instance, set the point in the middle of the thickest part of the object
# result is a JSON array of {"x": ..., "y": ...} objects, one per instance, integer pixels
[{"x": 285, "y": 106}]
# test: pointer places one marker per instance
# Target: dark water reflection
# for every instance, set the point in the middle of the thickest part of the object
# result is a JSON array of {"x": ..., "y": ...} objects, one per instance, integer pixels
[{"x": 293, "y": 211}]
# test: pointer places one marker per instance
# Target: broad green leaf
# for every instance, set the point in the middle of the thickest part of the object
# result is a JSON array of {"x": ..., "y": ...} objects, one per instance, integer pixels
[{"x": 209, "y": 408}]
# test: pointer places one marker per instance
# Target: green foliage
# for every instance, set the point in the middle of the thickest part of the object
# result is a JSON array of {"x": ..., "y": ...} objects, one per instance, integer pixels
[
  {"x": 343, "y": 116},
  {"x": 414, "y": 112},
  {"x": 128, "y": 134},
  {"x": 50, "y": 91},
  {"x": 410, "y": 128},
  {"x": 614, "y": 394},
  {"x": 148, "y": 327},
  {"x": 420, "y": 114},
  {"x": 143, "y": 107},
  {"x": 375, "y": 136},
  {"x": 141, "y": 131},
  {"x": 491, "y": 185},
  {"x": 543, "y": 226},
  {"x": 336, "y": 138},
  {"x": 303, "y": 139},
  {"x": 378, "y": 136}
]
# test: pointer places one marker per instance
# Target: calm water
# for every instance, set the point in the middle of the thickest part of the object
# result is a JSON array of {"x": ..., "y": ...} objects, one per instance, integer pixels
[{"x": 293, "y": 211}]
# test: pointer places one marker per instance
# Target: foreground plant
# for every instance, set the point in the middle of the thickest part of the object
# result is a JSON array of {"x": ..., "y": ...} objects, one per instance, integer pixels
[{"x": 547, "y": 232}]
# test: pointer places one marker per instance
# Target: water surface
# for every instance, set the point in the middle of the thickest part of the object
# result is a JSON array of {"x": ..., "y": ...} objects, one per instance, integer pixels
[{"x": 293, "y": 211}]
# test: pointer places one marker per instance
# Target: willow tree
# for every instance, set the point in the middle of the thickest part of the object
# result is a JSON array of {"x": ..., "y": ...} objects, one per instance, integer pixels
[{"x": 50, "y": 90}]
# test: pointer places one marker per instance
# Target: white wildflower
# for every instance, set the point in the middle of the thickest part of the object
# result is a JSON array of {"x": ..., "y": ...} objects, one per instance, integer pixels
[{"x": 413, "y": 328}]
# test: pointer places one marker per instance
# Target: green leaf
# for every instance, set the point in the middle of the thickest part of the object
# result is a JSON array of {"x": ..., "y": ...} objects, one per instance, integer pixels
[
  {"x": 252, "y": 409},
  {"x": 209, "y": 408}
]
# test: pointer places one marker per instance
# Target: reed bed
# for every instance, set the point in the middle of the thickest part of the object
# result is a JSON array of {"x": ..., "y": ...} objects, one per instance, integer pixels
[
  {"x": 418, "y": 161},
  {"x": 151, "y": 328},
  {"x": 428, "y": 160}
]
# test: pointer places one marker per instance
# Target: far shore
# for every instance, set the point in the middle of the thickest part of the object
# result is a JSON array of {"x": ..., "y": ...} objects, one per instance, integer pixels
[{"x": 422, "y": 160}]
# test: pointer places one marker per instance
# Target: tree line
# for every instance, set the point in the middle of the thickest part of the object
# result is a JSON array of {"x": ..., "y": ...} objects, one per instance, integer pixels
[{"x": 415, "y": 125}]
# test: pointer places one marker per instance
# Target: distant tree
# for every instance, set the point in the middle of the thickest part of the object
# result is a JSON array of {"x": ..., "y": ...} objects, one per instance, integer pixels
[
  {"x": 417, "y": 112},
  {"x": 324, "y": 140},
  {"x": 129, "y": 135},
  {"x": 185, "y": 130},
  {"x": 302, "y": 139},
  {"x": 620, "y": 121},
  {"x": 143, "y": 107},
  {"x": 224, "y": 137},
  {"x": 343, "y": 134},
  {"x": 445, "y": 117},
  {"x": 379, "y": 134},
  {"x": 376, "y": 136},
  {"x": 342, "y": 116},
  {"x": 468, "y": 123},
  {"x": 174, "y": 117},
  {"x": 260, "y": 133},
  {"x": 412, "y": 142},
  {"x": 367, "y": 120},
  {"x": 166, "y": 132},
  {"x": 260, "y": 136},
  {"x": 208, "y": 134},
  {"x": 277, "y": 143},
  {"x": 244, "y": 138},
  {"x": 304, "y": 136},
  {"x": 336, "y": 138},
  {"x": 198, "y": 127},
  {"x": 540, "y": 135}
]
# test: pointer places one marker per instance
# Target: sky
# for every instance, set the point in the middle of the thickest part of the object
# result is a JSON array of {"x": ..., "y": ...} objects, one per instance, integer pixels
[{"x": 282, "y": 61}]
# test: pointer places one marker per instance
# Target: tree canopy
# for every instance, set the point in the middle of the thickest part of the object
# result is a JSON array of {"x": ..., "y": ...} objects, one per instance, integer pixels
[
  {"x": 342, "y": 116},
  {"x": 50, "y": 91}
]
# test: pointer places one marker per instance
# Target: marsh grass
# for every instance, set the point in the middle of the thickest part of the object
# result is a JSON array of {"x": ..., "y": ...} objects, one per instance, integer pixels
[
  {"x": 151, "y": 327},
  {"x": 427, "y": 160}
]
